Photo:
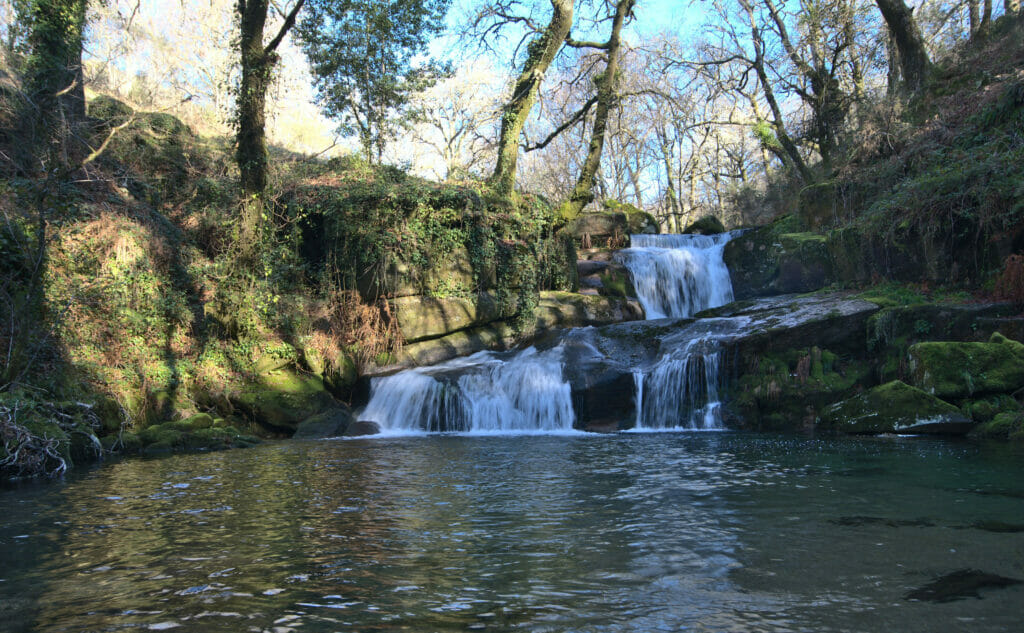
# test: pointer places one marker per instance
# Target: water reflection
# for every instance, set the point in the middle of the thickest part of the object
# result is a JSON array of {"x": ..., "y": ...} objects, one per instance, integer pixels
[{"x": 718, "y": 532}]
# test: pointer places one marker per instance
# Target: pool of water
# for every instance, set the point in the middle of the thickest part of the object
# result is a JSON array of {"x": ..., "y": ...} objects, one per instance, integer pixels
[{"x": 632, "y": 532}]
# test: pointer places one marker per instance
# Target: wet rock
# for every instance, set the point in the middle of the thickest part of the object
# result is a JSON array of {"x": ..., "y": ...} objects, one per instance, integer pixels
[
  {"x": 361, "y": 428},
  {"x": 960, "y": 584},
  {"x": 590, "y": 267},
  {"x": 330, "y": 423},
  {"x": 896, "y": 407},
  {"x": 952, "y": 370}
]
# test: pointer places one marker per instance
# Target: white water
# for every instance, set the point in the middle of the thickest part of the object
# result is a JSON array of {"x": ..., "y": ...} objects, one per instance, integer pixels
[
  {"x": 526, "y": 392},
  {"x": 483, "y": 393},
  {"x": 678, "y": 275},
  {"x": 681, "y": 390}
]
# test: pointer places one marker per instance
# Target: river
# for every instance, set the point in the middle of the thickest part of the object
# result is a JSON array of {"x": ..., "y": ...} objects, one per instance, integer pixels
[{"x": 703, "y": 531}]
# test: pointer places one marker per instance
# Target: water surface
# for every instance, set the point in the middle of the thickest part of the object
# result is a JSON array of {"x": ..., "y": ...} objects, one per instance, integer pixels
[{"x": 633, "y": 532}]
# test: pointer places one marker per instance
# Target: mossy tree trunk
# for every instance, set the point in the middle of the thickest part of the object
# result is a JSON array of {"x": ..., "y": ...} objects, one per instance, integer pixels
[
  {"x": 607, "y": 97},
  {"x": 540, "y": 53},
  {"x": 257, "y": 65},
  {"x": 910, "y": 47}
]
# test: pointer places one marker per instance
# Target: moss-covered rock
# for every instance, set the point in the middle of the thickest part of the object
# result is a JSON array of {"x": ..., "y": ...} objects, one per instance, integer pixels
[
  {"x": 423, "y": 317},
  {"x": 777, "y": 259},
  {"x": 984, "y": 409},
  {"x": 707, "y": 225},
  {"x": 896, "y": 407},
  {"x": 786, "y": 390},
  {"x": 282, "y": 399},
  {"x": 1008, "y": 425},
  {"x": 331, "y": 423},
  {"x": 954, "y": 370},
  {"x": 566, "y": 309}
]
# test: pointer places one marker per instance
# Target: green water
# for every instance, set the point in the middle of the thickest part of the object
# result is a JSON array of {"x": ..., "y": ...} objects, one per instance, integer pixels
[{"x": 634, "y": 532}]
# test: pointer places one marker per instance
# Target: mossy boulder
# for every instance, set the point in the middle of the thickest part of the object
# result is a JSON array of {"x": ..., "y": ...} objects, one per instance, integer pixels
[
  {"x": 1008, "y": 425},
  {"x": 955, "y": 370},
  {"x": 330, "y": 423},
  {"x": 424, "y": 317},
  {"x": 896, "y": 407},
  {"x": 985, "y": 409},
  {"x": 601, "y": 228},
  {"x": 567, "y": 309},
  {"x": 776, "y": 259},
  {"x": 707, "y": 225},
  {"x": 280, "y": 400}
]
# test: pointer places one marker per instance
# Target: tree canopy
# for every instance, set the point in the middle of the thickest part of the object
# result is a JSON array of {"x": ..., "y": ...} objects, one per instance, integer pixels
[{"x": 367, "y": 58}]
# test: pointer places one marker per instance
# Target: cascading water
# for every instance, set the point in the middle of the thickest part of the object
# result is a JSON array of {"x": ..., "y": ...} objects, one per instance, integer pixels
[
  {"x": 678, "y": 275},
  {"x": 681, "y": 389},
  {"x": 484, "y": 393},
  {"x": 527, "y": 391}
]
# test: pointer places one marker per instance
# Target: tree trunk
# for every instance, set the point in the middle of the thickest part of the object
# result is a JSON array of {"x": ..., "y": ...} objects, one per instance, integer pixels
[
  {"x": 974, "y": 16},
  {"x": 910, "y": 47},
  {"x": 607, "y": 96},
  {"x": 54, "y": 78},
  {"x": 257, "y": 64},
  {"x": 540, "y": 53}
]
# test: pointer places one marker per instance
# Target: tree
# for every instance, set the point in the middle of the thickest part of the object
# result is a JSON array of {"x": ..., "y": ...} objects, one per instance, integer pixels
[
  {"x": 363, "y": 54},
  {"x": 258, "y": 60},
  {"x": 910, "y": 48},
  {"x": 607, "y": 95},
  {"x": 540, "y": 53}
]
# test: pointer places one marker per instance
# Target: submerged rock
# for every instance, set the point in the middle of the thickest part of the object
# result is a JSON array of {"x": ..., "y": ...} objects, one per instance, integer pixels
[
  {"x": 963, "y": 583},
  {"x": 361, "y": 428},
  {"x": 896, "y": 407},
  {"x": 331, "y": 423}
]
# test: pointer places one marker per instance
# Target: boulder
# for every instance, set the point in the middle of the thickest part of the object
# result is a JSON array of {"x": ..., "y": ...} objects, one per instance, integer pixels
[
  {"x": 280, "y": 400},
  {"x": 361, "y": 428},
  {"x": 896, "y": 407},
  {"x": 954, "y": 370},
  {"x": 420, "y": 317},
  {"x": 774, "y": 259},
  {"x": 330, "y": 423},
  {"x": 707, "y": 225},
  {"x": 567, "y": 309}
]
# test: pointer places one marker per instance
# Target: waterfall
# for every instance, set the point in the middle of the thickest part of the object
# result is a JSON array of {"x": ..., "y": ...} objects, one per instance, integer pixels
[
  {"x": 483, "y": 393},
  {"x": 528, "y": 391},
  {"x": 681, "y": 390},
  {"x": 678, "y": 275}
]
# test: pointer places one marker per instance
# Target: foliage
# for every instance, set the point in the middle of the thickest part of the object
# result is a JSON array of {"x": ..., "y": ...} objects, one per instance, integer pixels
[
  {"x": 387, "y": 235},
  {"x": 365, "y": 59}
]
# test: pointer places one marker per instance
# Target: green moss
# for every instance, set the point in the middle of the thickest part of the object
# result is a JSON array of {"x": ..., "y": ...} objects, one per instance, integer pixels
[
  {"x": 895, "y": 407},
  {"x": 707, "y": 225},
  {"x": 1004, "y": 426},
  {"x": 954, "y": 370}
]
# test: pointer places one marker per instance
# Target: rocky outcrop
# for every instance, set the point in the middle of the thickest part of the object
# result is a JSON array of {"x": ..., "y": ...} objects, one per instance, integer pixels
[
  {"x": 778, "y": 259},
  {"x": 896, "y": 407},
  {"x": 954, "y": 370},
  {"x": 420, "y": 318}
]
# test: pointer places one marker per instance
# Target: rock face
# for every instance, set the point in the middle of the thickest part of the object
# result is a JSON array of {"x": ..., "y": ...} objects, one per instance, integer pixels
[
  {"x": 776, "y": 259},
  {"x": 421, "y": 318},
  {"x": 896, "y": 407},
  {"x": 952, "y": 370}
]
